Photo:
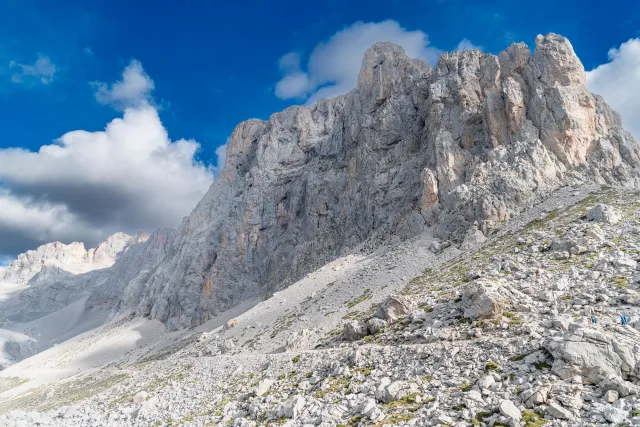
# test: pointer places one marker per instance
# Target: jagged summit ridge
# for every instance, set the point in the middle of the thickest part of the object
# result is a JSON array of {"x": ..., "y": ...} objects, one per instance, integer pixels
[{"x": 469, "y": 143}]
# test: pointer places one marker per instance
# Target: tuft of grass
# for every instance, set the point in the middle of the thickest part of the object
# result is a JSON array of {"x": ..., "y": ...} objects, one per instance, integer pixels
[
  {"x": 353, "y": 421},
  {"x": 465, "y": 387},
  {"x": 491, "y": 366},
  {"x": 335, "y": 385},
  {"x": 621, "y": 282},
  {"x": 295, "y": 359},
  {"x": 364, "y": 371},
  {"x": 481, "y": 417},
  {"x": 395, "y": 419},
  {"x": 514, "y": 319},
  {"x": 409, "y": 400},
  {"x": 540, "y": 222},
  {"x": 355, "y": 301},
  {"x": 533, "y": 419},
  {"x": 542, "y": 365}
]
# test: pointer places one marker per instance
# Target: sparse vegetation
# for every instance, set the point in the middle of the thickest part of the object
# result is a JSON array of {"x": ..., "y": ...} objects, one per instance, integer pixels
[
  {"x": 533, "y": 419},
  {"x": 355, "y": 301},
  {"x": 491, "y": 366}
]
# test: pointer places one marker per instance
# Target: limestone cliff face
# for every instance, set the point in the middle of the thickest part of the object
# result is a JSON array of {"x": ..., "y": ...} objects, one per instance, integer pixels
[{"x": 478, "y": 138}]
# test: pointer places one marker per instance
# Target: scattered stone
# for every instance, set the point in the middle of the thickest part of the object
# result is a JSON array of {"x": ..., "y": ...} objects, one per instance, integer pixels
[
  {"x": 376, "y": 325},
  {"x": 263, "y": 387},
  {"x": 510, "y": 410},
  {"x": 558, "y": 411}
]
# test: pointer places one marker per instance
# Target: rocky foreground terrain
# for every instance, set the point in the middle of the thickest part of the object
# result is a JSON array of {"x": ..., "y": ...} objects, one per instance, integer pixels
[
  {"x": 501, "y": 334},
  {"x": 447, "y": 246}
]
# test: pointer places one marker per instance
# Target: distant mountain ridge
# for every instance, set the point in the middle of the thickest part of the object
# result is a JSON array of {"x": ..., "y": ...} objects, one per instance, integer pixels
[{"x": 72, "y": 258}]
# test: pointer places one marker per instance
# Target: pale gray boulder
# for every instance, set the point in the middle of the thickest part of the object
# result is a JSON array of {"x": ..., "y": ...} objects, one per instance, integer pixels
[
  {"x": 375, "y": 325},
  {"x": 393, "y": 307},
  {"x": 482, "y": 299},
  {"x": 594, "y": 355},
  {"x": 604, "y": 213},
  {"x": 355, "y": 330}
]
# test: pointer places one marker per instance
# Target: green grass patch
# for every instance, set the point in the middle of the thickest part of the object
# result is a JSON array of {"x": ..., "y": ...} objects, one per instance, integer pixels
[
  {"x": 491, "y": 366},
  {"x": 533, "y": 419},
  {"x": 355, "y": 301},
  {"x": 542, "y": 366}
]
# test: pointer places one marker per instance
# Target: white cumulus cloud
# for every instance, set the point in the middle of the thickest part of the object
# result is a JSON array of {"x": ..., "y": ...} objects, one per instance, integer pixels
[
  {"x": 87, "y": 185},
  {"x": 221, "y": 153},
  {"x": 134, "y": 88},
  {"x": 333, "y": 66},
  {"x": 465, "y": 44},
  {"x": 43, "y": 71},
  {"x": 618, "y": 82}
]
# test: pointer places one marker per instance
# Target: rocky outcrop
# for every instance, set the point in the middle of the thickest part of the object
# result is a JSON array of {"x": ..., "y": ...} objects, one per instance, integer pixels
[
  {"x": 478, "y": 138},
  {"x": 594, "y": 355}
]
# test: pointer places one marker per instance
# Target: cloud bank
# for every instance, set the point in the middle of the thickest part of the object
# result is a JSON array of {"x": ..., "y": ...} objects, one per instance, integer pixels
[
  {"x": 618, "y": 81},
  {"x": 87, "y": 185}
]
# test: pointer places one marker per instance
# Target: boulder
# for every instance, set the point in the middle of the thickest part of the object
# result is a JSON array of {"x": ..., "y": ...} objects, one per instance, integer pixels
[
  {"x": 604, "y": 213},
  {"x": 393, "y": 307},
  {"x": 511, "y": 411},
  {"x": 556, "y": 410},
  {"x": 376, "y": 325},
  {"x": 622, "y": 387},
  {"x": 592, "y": 355},
  {"x": 481, "y": 299},
  {"x": 263, "y": 387},
  {"x": 355, "y": 330},
  {"x": 615, "y": 415},
  {"x": 293, "y": 406}
]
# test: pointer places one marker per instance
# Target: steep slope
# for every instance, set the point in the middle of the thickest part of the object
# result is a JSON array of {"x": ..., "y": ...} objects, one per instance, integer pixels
[{"x": 470, "y": 143}]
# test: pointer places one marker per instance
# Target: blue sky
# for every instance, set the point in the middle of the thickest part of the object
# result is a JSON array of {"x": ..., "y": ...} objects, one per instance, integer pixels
[{"x": 209, "y": 65}]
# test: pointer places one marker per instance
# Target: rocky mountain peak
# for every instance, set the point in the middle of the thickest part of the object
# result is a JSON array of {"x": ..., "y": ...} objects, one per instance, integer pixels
[
  {"x": 471, "y": 142},
  {"x": 555, "y": 62}
]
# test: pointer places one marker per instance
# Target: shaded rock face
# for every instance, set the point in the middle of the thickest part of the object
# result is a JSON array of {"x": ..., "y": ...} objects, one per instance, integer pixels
[{"x": 478, "y": 138}]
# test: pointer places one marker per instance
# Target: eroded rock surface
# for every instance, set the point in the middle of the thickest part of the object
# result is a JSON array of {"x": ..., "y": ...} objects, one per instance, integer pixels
[{"x": 474, "y": 140}]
